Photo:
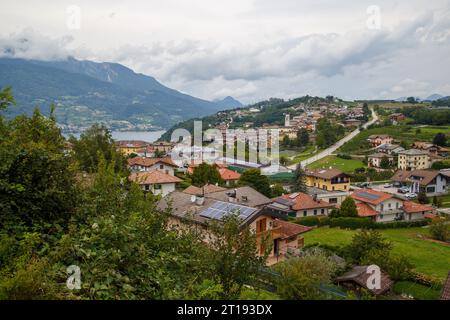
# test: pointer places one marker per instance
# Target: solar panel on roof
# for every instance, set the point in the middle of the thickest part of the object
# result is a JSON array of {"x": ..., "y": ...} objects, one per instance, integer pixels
[
  {"x": 220, "y": 209},
  {"x": 368, "y": 196},
  {"x": 294, "y": 195}
]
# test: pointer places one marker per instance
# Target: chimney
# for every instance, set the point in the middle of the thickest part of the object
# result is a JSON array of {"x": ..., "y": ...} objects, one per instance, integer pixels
[
  {"x": 193, "y": 198},
  {"x": 200, "y": 200}
]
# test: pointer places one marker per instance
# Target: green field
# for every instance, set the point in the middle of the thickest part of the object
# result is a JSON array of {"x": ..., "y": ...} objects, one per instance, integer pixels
[
  {"x": 428, "y": 257},
  {"x": 405, "y": 133},
  {"x": 445, "y": 201},
  {"x": 344, "y": 165},
  {"x": 416, "y": 290}
]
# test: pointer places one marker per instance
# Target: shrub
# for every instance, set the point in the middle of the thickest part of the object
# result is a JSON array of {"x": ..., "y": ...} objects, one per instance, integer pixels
[{"x": 439, "y": 230}]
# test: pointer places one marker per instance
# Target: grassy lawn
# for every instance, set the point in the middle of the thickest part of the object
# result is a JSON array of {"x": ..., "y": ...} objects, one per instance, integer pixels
[
  {"x": 428, "y": 257},
  {"x": 337, "y": 163},
  {"x": 406, "y": 133},
  {"x": 445, "y": 200},
  {"x": 305, "y": 154},
  {"x": 416, "y": 290}
]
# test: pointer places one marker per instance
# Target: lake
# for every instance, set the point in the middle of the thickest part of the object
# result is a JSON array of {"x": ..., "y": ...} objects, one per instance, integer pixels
[{"x": 149, "y": 136}]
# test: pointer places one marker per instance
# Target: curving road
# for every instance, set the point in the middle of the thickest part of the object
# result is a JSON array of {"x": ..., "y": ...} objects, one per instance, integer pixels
[{"x": 328, "y": 151}]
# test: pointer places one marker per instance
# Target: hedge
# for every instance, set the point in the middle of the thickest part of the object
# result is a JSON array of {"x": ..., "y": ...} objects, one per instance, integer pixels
[{"x": 357, "y": 223}]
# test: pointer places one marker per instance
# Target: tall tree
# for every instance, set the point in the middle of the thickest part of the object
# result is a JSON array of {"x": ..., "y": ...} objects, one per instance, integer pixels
[
  {"x": 204, "y": 174},
  {"x": 234, "y": 260},
  {"x": 299, "y": 180},
  {"x": 440, "y": 139},
  {"x": 302, "y": 137},
  {"x": 348, "y": 208},
  {"x": 385, "y": 163},
  {"x": 94, "y": 143},
  {"x": 256, "y": 180}
]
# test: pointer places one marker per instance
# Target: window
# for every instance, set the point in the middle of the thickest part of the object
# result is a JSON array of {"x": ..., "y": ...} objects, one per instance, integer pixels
[
  {"x": 322, "y": 211},
  {"x": 382, "y": 206},
  {"x": 158, "y": 186},
  {"x": 261, "y": 225},
  {"x": 161, "y": 166},
  {"x": 147, "y": 187},
  {"x": 332, "y": 200},
  {"x": 305, "y": 213},
  {"x": 315, "y": 212},
  {"x": 389, "y": 205}
]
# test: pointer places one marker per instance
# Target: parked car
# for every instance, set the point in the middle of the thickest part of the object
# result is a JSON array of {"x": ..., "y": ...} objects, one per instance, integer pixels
[
  {"x": 403, "y": 190},
  {"x": 364, "y": 184},
  {"x": 387, "y": 185},
  {"x": 397, "y": 184},
  {"x": 411, "y": 195}
]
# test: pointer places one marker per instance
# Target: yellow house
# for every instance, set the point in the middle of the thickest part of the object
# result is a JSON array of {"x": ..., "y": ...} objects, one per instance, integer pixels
[
  {"x": 328, "y": 179},
  {"x": 413, "y": 159},
  {"x": 127, "y": 147}
]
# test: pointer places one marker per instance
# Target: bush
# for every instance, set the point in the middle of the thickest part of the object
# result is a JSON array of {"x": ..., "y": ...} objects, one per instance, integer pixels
[
  {"x": 357, "y": 223},
  {"x": 439, "y": 230},
  {"x": 344, "y": 156}
]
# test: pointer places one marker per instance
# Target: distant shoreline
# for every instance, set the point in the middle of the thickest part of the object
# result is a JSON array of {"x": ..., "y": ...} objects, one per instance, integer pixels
[{"x": 149, "y": 136}]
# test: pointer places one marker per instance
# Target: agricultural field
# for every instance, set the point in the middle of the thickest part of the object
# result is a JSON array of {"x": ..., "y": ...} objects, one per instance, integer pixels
[
  {"x": 401, "y": 133},
  {"x": 345, "y": 165},
  {"x": 429, "y": 257}
]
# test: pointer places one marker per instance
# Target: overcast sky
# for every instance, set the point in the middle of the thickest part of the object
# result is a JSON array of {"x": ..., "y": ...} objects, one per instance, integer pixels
[{"x": 249, "y": 49}]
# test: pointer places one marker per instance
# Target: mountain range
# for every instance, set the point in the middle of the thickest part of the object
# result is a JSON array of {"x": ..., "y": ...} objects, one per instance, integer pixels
[{"x": 86, "y": 92}]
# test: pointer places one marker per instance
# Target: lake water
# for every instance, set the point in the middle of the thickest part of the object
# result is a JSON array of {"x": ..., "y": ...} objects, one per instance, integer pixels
[{"x": 149, "y": 136}]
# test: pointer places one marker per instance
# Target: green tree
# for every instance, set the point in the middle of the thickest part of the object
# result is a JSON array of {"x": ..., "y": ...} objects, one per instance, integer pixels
[
  {"x": 277, "y": 190},
  {"x": 385, "y": 163},
  {"x": 93, "y": 143},
  {"x": 301, "y": 277},
  {"x": 348, "y": 208},
  {"x": 422, "y": 198},
  {"x": 302, "y": 137},
  {"x": 299, "y": 180},
  {"x": 256, "y": 180},
  {"x": 204, "y": 174},
  {"x": 440, "y": 139},
  {"x": 440, "y": 230},
  {"x": 234, "y": 260},
  {"x": 365, "y": 241}
]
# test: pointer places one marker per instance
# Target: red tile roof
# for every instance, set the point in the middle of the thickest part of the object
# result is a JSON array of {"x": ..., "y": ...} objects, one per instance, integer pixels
[
  {"x": 364, "y": 210},
  {"x": 371, "y": 196},
  {"x": 148, "y": 162},
  {"x": 208, "y": 188},
  {"x": 228, "y": 174},
  {"x": 303, "y": 201},
  {"x": 412, "y": 207},
  {"x": 289, "y": 229},
  {"x": 152, "y": 177}
]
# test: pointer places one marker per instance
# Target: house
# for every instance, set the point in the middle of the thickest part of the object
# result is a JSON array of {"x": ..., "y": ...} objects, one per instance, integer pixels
[
  {"x": 351, "y": 122},
  {"x": 190, "y": 211},
  {"x": 431, "y": 148},
  {"x": 165, "y": 165},
  {"x": 328, "y": 179},
  {"x": 162, "y": 147},
  {"x": 229, "y": 176},
  {"x": 206, "y": 189},
  {"x": 358, "y": 277},
  {"x": 156, "y": 182},
  {"x": 332, "y": 197},
  {"x": 377, "y": 139},
  {"x": 300, "y": 204},
  {"x": 445, "y": 294},
  {"x": 389, "y": 148},
  {"x": 246, "y": 196},
  {"x": 429, "y": 181},
  {"x": 397, "y": 117},
  {"x": 385, "y": 207},
  {"x": 127, "y": 147},
  {"x": 374, "y": 160},
  {"x": 413, "y": 159}
]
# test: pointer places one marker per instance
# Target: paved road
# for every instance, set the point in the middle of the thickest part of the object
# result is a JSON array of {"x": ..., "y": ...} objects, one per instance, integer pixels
[{"x": 337, "y": 145}]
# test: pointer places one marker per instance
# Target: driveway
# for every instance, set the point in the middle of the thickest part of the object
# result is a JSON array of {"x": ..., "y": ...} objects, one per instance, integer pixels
[{"x": 328, "y": 151}]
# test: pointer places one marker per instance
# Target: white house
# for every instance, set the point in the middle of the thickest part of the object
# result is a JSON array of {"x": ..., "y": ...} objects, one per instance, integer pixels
[
  {"x": 156, "y": 182},
  {"x": 165, "y": 165},
  {"x": 384, "y": 207}
]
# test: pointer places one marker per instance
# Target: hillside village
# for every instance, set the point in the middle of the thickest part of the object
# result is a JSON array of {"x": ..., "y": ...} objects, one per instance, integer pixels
[{"x": 406, "y": 181}]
